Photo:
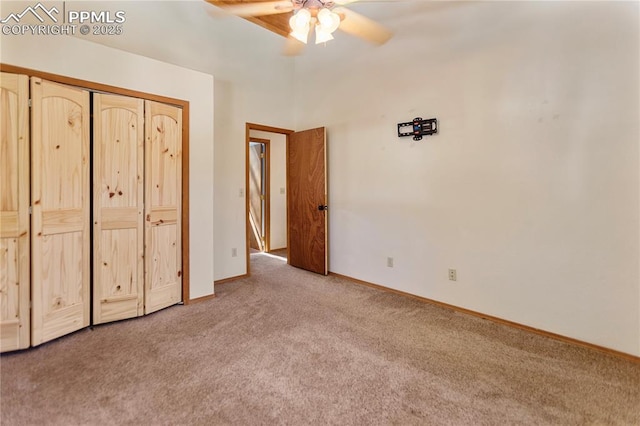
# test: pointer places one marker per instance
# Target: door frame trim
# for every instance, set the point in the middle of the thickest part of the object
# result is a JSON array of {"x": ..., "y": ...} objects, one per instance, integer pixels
[
  {"x": 90, "y": 85},
  {"x": 248, "y": 138}
]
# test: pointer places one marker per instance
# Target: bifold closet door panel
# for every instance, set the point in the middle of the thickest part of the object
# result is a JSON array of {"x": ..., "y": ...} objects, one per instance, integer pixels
[
  {"x": 61, "y": 201},
  {"x": 14, "y": 212},
  {"x": 118, "y": 195},
  {"x": 163, "y": 195}
]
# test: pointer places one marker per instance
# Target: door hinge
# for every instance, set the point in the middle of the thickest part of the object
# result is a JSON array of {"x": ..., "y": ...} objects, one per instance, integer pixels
[
  {"x": 262, "y": 197},
  {"x": 261, "y": 155},
  {"x": 30, "y": 209},
  {"x": 29, "y": 103}
]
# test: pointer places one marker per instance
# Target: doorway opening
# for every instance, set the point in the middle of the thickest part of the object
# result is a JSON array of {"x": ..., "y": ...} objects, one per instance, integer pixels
[
  {"x": 297, "y": 205},
  {"x": 259, "y": 195},
  {"x": 266, "y": 195}
]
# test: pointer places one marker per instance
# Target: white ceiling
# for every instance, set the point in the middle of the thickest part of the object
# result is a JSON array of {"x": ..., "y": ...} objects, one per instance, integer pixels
[{"x": 184, "y": 32}]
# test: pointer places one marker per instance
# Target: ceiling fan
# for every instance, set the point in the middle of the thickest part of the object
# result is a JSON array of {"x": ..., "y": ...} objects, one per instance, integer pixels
[{"x": 323, "y": 17}]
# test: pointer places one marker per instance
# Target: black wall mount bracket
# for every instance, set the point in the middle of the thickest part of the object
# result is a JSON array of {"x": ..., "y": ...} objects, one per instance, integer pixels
[{"x": 418, "y": 128}]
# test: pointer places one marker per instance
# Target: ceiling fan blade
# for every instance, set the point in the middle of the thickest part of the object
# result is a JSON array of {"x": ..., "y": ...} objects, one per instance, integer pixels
[
  {"x": 293, "y": 47},
  {"x": 247, "y": 10},
  {"x": 357, "y": 25}
]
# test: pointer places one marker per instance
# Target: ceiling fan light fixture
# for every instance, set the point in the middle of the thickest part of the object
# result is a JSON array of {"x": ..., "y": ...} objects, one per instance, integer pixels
[
  {"x": 300, "y": 20},
  {"x": 328, "y": 20},
  {"x": 322, "y": 35},
  {"x": 300, "y": 24},
  {"x": 301, "y": 34},
  {"x": 323, "y": 16}
]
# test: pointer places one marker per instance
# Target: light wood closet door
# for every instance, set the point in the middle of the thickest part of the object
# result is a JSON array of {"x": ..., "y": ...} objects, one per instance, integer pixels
[
  {"x": 118, "y": 184},
  {"x": 14, "y": 212},
  {"x": 163, "y": 195},
  {"x": 60, "y": 200}
]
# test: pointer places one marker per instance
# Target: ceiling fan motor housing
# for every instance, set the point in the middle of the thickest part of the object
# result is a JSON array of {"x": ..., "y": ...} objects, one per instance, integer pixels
[{"x": 312, "y": 4}]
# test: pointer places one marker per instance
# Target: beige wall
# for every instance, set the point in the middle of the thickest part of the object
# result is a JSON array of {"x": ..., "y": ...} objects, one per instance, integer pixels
[{"x": 531, "y": 188}]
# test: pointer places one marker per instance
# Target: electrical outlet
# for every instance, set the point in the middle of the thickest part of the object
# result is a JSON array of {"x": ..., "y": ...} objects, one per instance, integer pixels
[
  {"x": 453, "y": 275},
  {"x": 390, "y": 262},
  {"x": 282, "y": 191},
  {"x": 234, "y": 252}
]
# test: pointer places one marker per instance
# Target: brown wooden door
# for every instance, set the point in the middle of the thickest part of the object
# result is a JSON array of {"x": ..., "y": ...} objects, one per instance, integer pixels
[
  {"x": 15, "y": 283},
  {"x": 163, "y": 208},
  {"x": 118, "y": 189},
  {"x": 60, "y": 199},
  {"x": 307, "y": 200}
]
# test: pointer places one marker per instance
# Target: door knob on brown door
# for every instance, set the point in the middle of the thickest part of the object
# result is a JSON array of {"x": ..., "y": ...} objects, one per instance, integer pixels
[{"x": 323, "y": 208}]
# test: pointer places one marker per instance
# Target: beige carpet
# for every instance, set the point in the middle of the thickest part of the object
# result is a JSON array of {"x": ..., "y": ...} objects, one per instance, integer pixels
[
  {"x": 280, "y": 253},
  {"x": 290, "y": 347}
]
